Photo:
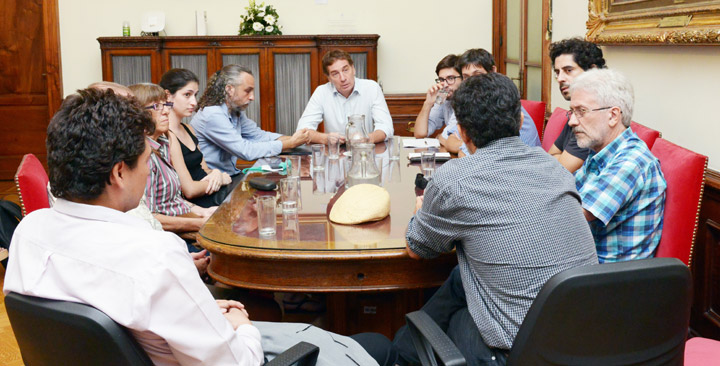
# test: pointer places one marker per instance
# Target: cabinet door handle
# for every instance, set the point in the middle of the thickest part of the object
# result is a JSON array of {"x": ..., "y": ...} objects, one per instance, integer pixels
[
  {"x": 268, "y": 43},
  {"x": 214, "y": 44}
]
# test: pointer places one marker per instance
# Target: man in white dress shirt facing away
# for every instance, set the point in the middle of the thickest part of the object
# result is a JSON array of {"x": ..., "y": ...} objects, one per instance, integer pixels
[
  {"x": 86, "y": 249},
  {"x": 343, "y": 96}
]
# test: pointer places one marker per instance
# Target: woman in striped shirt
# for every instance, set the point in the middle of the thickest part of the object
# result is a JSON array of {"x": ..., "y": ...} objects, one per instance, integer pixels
[{"x": 163, "y": 190}]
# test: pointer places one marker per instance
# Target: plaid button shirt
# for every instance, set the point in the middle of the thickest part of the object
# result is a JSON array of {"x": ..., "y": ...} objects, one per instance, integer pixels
[{"x": 623, "y": 187}]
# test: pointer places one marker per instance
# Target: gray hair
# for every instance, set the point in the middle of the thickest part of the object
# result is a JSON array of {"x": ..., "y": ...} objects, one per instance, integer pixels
[
  {"x": 610, "y": 88},
  {"x": 215, "y": 91}
]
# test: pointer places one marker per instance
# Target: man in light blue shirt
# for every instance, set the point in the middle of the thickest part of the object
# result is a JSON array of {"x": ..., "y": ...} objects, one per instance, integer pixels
[
  {"x": 342, "y": 96},
  {"x": 223, "y": 130},
  {"x": 436, "y": 112},
  {"x": 473, "y": 62}
]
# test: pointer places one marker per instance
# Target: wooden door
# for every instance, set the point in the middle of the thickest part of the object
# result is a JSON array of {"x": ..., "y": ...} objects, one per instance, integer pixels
[
  {"x": 521, "y": 37},
  {"x": 30, "y": 81}
]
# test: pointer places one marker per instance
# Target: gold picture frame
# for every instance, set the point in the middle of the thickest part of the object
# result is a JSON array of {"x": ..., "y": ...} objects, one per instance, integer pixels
[{"x": 654, "y": 22}]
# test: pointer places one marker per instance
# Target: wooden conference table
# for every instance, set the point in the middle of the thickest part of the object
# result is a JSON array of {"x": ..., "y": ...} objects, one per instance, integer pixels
[{"x": 370, "y": 280}]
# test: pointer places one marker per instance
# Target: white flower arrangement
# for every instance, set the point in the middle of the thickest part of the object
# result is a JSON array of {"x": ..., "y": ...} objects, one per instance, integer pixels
[{"x": 259, "y": 20}]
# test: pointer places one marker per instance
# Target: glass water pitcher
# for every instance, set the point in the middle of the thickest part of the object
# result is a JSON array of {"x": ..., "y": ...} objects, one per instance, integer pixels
[{"x": 363, "y": 169}]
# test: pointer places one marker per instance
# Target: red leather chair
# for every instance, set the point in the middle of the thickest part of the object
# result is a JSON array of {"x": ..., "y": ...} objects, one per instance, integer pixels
[
  {"x": 31, "y": 182},
  {"x": 645, "y": 133},
  {"x": 702, "y": 352},
  {"x": 684, "y": 171},
  {"x": 554, "y": 126},
  {"x": 536, "y": 110}
]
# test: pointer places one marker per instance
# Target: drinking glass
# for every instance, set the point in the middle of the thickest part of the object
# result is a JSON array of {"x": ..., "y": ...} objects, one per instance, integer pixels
[
  {"x": 441, "y": 96},
  {"x": 266, "y": 215},
  {"x": 294, "y": 166},
  {"x": 393, "y": 145},
  {"x": 290, "y": 193},
  {"x": 333, "y": 147},
  {"x": 427, "y": 161},
  {"x": 379, "y": 162},
  {"x": 318, "y": 156}
]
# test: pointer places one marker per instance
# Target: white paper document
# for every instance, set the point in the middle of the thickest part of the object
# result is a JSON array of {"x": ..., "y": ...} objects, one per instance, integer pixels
[{"x": 427, "y": 142}]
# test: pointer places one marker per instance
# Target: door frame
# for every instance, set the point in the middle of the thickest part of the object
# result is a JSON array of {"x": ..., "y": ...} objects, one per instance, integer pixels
[
  {"x": 500, "y": 49},
  {"x": 53, "y": 64}
]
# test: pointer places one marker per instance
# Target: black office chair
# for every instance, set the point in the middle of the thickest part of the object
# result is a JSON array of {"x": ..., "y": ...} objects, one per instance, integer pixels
[
  {"x": 628, "y": 313},
  {"x": 51, "y": 332}
]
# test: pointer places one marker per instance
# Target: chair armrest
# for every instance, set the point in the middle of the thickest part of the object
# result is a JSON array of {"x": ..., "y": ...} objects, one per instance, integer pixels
[
  {"x": 430, "y": 340},
  {"x": 305, "y": 354}
]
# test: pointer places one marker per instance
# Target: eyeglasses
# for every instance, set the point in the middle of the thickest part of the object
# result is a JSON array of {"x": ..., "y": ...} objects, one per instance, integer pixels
[
  {"x": 580, "y": 112},
  {"x": 450, "y": 80},
  {"x": 159, "y": 106}
]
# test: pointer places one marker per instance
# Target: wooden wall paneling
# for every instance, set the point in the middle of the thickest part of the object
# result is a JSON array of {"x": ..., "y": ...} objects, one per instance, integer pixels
[
  {"x": 53, "y": 64},
  {"x": 404, "y": 108},
  {"x": 705, "y": 314}
]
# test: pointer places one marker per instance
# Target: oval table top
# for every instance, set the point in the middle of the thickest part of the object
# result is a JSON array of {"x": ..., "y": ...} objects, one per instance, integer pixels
[{"x": 311, "y": 254}]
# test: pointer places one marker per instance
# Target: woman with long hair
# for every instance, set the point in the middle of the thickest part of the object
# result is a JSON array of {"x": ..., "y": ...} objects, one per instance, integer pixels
[
  {"x": 163, "y": 191},
  {"x": 201, "y": 185}
]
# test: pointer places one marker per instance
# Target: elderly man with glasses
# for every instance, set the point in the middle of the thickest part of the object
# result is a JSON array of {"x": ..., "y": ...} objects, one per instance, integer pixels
[{"x": 621, "y": 184}]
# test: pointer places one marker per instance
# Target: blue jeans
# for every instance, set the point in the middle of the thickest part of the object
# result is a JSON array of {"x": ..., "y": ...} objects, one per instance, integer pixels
[{"x": 448, "y": 308}]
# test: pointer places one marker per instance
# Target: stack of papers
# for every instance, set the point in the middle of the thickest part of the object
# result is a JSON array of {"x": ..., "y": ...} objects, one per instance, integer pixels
[{"x": 427, "y": 142}]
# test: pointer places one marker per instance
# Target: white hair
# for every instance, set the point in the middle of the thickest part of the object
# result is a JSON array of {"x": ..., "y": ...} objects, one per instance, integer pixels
[{"x": 610, "y": 88}]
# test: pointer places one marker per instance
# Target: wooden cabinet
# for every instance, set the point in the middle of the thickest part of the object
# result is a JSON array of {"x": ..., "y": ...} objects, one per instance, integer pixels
[{"x": 287, "y": 69}]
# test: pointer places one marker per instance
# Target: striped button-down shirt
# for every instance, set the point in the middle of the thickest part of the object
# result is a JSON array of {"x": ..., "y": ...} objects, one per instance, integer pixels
[
  {"x": 493, "y": 207},
  {"x": 163, "y": 191},
  {"x": 624, "y": 188}
]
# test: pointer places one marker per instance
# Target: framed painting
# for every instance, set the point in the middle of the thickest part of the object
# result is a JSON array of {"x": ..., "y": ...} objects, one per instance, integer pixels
[{"x": 654, "y": 22}]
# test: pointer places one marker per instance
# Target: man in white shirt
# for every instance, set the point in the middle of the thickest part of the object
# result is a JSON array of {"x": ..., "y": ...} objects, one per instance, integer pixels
[
  {"x": 86, "y": 249},
  {"x": 343, "y": 96}
]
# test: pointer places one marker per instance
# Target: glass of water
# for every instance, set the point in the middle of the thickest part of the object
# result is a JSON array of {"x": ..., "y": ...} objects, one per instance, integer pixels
[
  {"x": 290, "y": 193},
  {"x": 318, "y": 156},
  {"x": 266, "y": 215},
  {"x": 427, "y": 162}
]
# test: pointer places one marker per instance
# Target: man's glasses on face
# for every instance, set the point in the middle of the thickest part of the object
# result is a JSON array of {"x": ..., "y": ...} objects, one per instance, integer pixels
[
  {"x": 159, "y": 106},
  {"x": 450, "y": 80},
  {"x": 580, "y": 112}
]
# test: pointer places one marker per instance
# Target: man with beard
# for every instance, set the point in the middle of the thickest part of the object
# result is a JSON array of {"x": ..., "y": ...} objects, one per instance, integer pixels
[
  {"x": 621, "y": 184},
  {"x": 572, "y": 57},
  {"x": 223, "y": 130}
]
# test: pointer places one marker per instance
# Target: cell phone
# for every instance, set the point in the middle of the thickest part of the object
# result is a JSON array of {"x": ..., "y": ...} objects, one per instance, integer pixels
[{"x": 262, "y": 184}]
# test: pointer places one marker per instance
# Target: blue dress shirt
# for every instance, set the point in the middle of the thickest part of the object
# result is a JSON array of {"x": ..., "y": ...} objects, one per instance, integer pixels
[{"x": 223, "y": 138}]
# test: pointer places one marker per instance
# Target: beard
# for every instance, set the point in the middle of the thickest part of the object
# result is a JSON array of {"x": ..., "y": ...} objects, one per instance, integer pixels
[
  {"x": 237, "y": 110},
  {"x": 585, "y": 141}
]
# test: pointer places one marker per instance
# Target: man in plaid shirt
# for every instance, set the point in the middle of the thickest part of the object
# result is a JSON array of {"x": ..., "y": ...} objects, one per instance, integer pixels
[{"x": 621, "y": 184}]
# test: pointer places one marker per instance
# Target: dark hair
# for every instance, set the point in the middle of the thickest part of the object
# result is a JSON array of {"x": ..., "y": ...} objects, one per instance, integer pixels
[
  {"x": 175, "y": 79},
  {"x": 334, "y": 55},
  {"x": 215, "y": 93},
  {"x": 477, "y": 57},
  {"x": 449, "y": 61},
  {"x": 586, "y": 54},
  {"x": 90, "y": 133},
  {"x": 487, "y": 107}
]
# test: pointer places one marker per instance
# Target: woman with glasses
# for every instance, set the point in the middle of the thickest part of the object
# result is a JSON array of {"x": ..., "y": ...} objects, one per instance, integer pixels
[
  {"x": 201, "y": 185},
  {"x": 164, "y": 196}
]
